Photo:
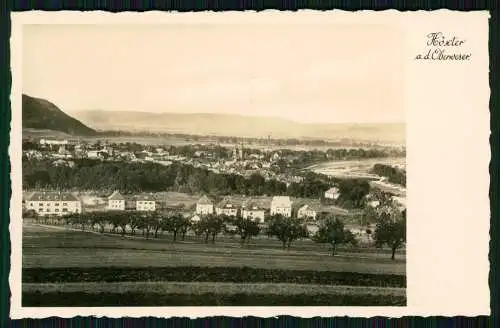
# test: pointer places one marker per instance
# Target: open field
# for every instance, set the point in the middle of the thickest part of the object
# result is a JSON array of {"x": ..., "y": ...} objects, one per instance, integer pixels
[
  {"x": 224, "y": 244},
  {"x": 354, "y": 168},
  {"x": 82, "y": 299},
  {"x": 162, "y": 287},
  {"x": 209, "y": 274},
  {"x": 45, "y": 246},
  {"x": 64, "y": 267}
]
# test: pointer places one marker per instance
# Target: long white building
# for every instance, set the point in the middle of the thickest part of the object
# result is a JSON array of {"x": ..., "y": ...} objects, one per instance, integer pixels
[{"x": 54, "y": 203}]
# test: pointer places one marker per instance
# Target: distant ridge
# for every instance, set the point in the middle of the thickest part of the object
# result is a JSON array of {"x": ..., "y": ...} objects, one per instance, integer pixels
[
  {"x": 239, "y": 126},
  {"x": 43, "y": 115}
]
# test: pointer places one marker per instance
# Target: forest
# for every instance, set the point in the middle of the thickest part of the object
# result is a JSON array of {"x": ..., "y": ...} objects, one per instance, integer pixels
[{"x": 393, "y": 174}]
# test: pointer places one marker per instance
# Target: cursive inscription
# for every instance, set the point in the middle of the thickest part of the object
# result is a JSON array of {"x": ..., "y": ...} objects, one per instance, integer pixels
[{"x": 443, "y": 48}]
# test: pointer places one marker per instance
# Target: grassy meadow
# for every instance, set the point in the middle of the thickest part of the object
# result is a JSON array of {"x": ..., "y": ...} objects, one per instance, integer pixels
[{"x": 63, "y": 267}]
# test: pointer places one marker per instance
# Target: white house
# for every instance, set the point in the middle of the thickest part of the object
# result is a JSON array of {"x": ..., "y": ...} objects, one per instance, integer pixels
[
  {"x": 53, "y": 203},
  {"x": 204, "y": 206},
  {"x": 332, "y": 193},
  {"x": 281, "y": 205},
  {"x": 226, "y": 208},
  {"x": 145, "y": 203},
  {"x": 116, "y": 201},
  {"x": 306, "y": 212},
  {"x": 251, "y": 210}
]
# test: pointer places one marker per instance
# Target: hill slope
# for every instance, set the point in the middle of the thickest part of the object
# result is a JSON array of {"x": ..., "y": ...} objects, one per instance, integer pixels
[
  {"x": 42, "y": 114},
  {"x": 239, "y": 126}
]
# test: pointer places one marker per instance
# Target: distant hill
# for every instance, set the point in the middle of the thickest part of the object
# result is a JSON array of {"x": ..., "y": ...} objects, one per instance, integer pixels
[
  {"x": 239, "y": 126},
  {"x": 43, "y": 115}
]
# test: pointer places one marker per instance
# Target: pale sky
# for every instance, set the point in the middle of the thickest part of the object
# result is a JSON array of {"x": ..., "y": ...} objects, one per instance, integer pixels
[{"x": 307, "y": 73}]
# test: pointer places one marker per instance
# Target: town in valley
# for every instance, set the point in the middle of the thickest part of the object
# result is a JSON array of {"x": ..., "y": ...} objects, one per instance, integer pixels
[
  {"x": 323, "y": 208},
  {"x": 276, "y": 183},
  {"x": 271, "y": 172}
]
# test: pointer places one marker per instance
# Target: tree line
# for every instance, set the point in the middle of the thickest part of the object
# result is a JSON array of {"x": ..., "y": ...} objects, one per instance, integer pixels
[
  {"x": 393, "y": 174},
  {"x": 130, "y": 177},
  {"x": 390, "y": 228}
]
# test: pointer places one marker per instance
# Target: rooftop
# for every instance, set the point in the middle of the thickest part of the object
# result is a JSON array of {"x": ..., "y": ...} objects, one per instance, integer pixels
[
  {"x": 252, "y": 205},
  {"x": 281, "y": 200},
  {"x": 332, "y": 190},
  {"x": 226, "y": 203},
  {"x": 144, "y": 197},
  {"x": 204, "y": 201},
  {"x": 53, "y": 196},
  {"x": 116, "y": 196}
]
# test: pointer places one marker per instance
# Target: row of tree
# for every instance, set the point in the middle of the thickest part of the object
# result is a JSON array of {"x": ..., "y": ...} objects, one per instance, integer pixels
[{"x": 390, "y": 229}]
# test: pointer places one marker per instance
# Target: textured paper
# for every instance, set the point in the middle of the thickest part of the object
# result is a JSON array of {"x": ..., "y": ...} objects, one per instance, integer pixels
[{"x": 446, "y": 105}]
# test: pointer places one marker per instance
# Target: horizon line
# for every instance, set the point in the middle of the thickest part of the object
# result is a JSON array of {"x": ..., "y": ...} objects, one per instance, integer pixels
[{"x": 240, "y": 115}]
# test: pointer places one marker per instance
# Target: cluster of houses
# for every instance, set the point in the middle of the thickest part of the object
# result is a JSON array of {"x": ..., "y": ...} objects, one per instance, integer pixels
[
  {"x": 248, "y": 209},
  {"x": 118, "y": 202},
  {"x": 242, "y": 162},
  {"x": 62, "y": 203}
]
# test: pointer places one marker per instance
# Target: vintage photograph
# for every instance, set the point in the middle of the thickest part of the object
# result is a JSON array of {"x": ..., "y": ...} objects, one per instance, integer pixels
[{"x": 213, "y": 165}]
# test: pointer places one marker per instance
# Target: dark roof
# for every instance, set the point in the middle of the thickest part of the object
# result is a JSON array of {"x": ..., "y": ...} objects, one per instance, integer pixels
[
  {"x": 145, "y": 197},
  {"x": 226, "y": 203},
  {"x": 252, "y": 205},
  {"x": 333, "y": 190},
  {"x": 53, "y": 196}
]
